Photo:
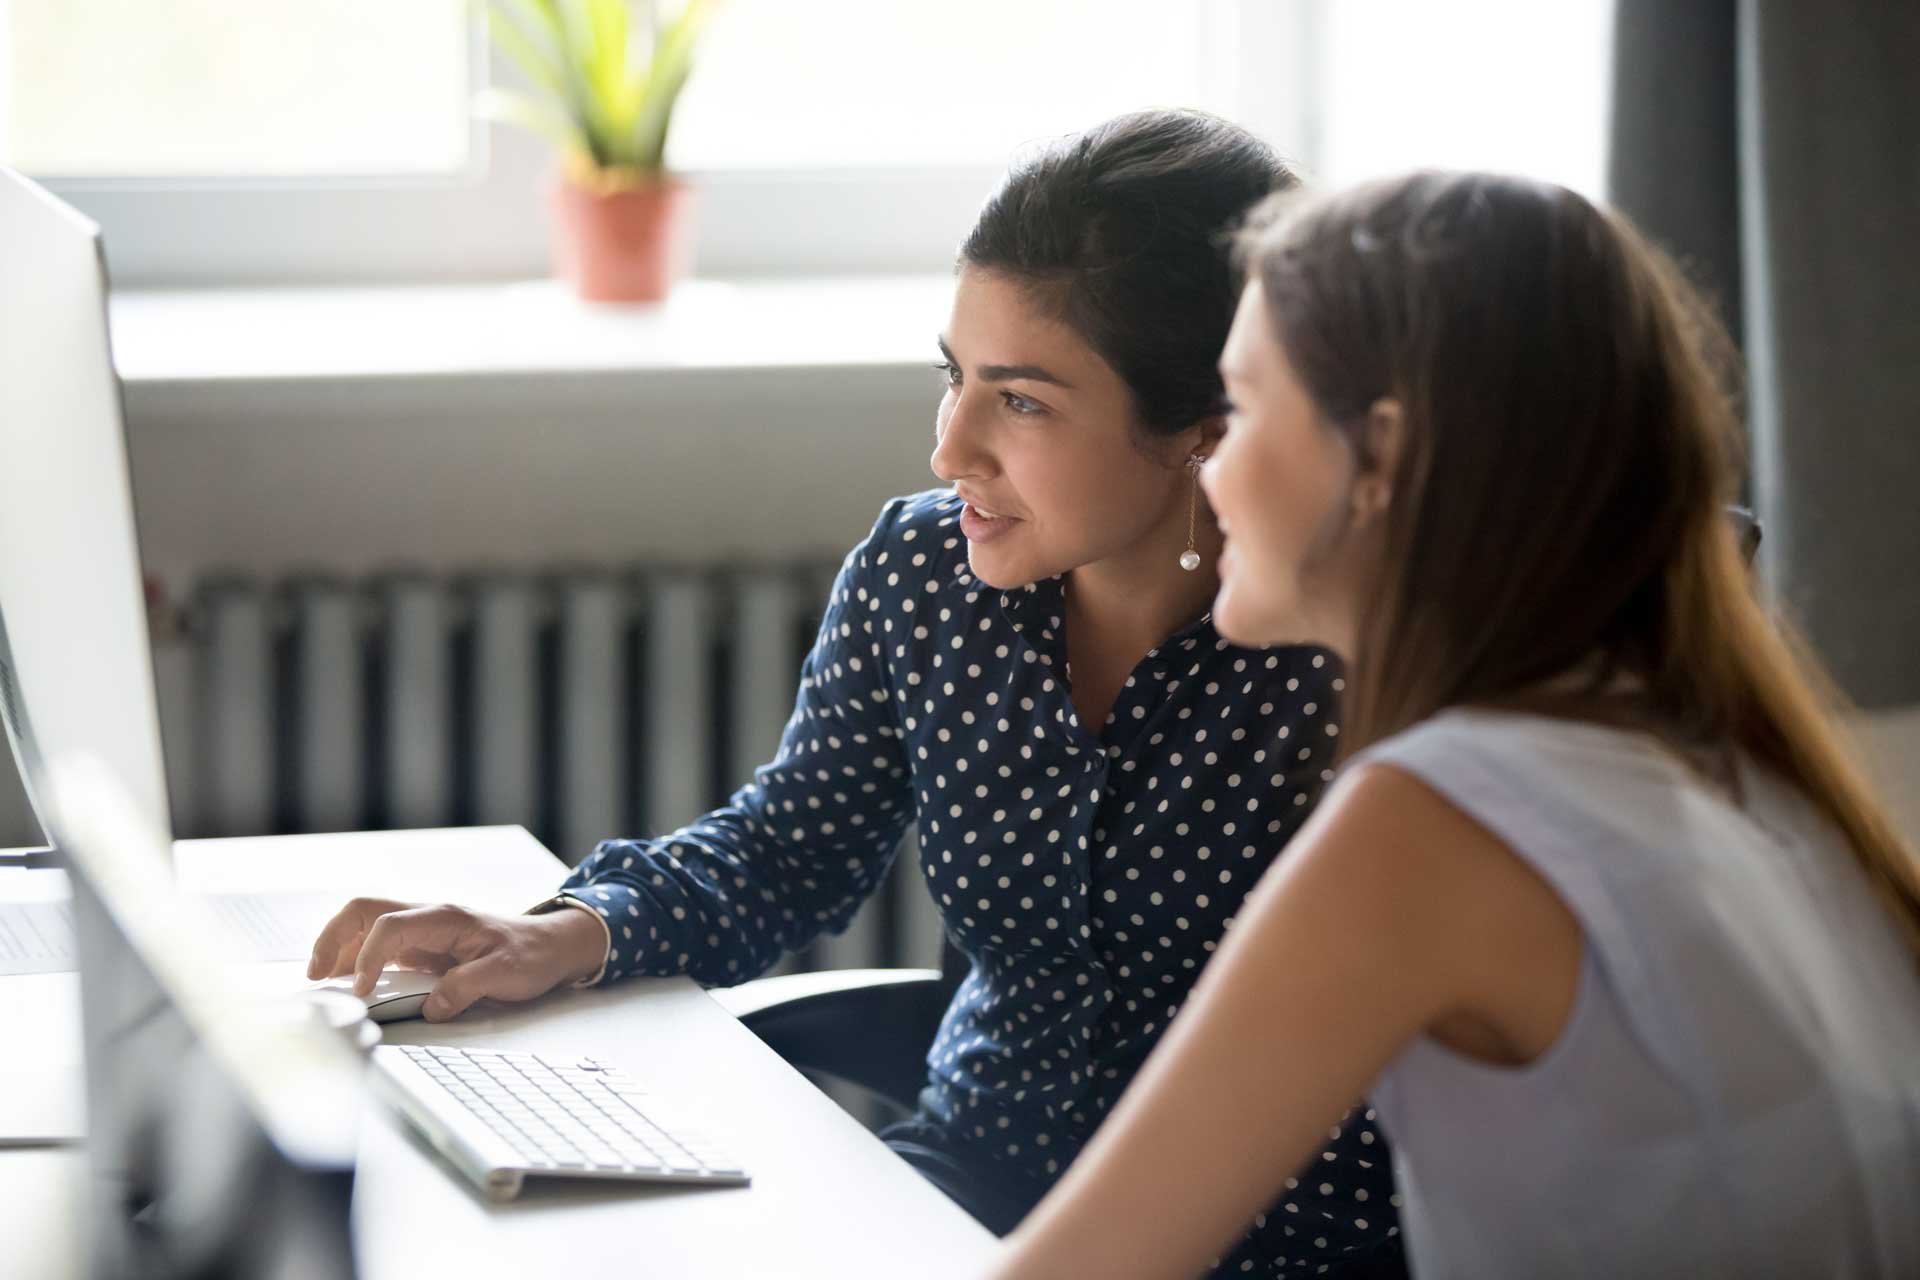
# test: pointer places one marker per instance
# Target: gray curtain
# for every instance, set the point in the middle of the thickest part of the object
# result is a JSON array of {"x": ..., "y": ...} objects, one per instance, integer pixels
[{"x": 1775, "y": 148}]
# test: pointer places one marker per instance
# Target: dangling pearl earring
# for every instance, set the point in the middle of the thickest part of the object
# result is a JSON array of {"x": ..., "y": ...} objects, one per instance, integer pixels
[{"x": 1190, "y": 558}]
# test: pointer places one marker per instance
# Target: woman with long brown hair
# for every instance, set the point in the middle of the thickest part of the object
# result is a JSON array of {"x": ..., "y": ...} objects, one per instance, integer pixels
[{"x": 1598, "y": 912}]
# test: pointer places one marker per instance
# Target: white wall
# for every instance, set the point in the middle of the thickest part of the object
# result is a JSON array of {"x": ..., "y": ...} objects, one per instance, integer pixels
[
  {"x": 520, "y": 471},
  {"x": 1890, "y": 741}
]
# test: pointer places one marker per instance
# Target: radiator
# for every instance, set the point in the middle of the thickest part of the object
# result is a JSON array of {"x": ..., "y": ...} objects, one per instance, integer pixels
[{"x": 579, "y": 704}]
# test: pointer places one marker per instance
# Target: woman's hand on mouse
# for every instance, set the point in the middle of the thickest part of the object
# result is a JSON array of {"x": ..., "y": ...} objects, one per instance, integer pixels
[{"x": 476, "y": 955}]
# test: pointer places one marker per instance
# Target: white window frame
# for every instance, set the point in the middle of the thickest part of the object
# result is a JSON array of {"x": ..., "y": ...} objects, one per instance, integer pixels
[{"x": 488, "y": 223}]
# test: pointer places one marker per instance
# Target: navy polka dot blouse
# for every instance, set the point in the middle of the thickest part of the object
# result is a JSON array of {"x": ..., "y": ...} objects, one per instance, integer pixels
[{"x": 1086, "y": 872}]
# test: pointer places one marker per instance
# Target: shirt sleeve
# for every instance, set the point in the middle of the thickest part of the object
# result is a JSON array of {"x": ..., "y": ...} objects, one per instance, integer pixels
[{"x": 795, "y": 852}]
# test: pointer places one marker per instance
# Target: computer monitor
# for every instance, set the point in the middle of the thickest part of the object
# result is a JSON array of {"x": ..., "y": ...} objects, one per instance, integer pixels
[
  {"x": 223, "y": 1120},
  {"x": 76, "y": 667}
]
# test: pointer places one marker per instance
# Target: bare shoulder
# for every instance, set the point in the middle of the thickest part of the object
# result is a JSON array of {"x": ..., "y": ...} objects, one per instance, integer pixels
[
  {"x": 1448, "y": 898},
  {"x": 1385, "y": 826}
]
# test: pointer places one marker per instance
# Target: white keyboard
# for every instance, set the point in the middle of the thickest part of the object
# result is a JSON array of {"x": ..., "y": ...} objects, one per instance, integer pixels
[{"x": 500, "y": 1117}]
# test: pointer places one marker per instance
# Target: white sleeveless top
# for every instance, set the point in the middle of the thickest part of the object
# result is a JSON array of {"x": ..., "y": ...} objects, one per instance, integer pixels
[{"x": 1737, "y": 1089}]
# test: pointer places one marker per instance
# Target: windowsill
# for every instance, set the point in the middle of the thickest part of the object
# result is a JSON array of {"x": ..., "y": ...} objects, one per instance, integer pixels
[{"x": 202, "y": 340}]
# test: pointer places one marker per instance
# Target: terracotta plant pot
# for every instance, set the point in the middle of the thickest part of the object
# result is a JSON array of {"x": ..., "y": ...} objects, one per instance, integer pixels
[{"x": 622, "y": 243}]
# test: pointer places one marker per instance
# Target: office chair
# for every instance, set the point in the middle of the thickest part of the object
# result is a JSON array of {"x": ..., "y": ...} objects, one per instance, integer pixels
[{"x": 868, "y": 1027}]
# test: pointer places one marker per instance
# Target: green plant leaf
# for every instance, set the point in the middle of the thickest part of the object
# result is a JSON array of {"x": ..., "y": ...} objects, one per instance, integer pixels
[
  {"x": 607, "y": 20},
  {"x": 537, "y": 116},
  {"x": 536, "y": 35},
  {"x": 592, "y": 85},
  {"x": 576, "y": 46},
  {"x": 666, "y": 76},
  {"x": 520, "y": 31}
]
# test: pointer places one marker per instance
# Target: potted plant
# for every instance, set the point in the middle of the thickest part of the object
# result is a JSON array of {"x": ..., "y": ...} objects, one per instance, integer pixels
[{"x": 602, "y": 88}]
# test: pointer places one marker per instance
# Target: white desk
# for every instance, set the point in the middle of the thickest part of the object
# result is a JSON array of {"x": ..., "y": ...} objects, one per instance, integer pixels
[{"x": 826, "y": 1200}]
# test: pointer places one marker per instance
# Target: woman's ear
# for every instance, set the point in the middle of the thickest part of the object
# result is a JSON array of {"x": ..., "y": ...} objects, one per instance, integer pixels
[
  {"x": 1382, "y": 438},
  {"x": 1212, "y": 431}
]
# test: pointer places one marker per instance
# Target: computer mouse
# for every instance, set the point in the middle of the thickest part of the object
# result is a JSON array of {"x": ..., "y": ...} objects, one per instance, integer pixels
[{"x": 396, "y": 996}]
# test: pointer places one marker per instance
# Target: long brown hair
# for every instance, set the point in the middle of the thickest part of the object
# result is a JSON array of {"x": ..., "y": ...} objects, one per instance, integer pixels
[{"x": 1571, "y": 443}]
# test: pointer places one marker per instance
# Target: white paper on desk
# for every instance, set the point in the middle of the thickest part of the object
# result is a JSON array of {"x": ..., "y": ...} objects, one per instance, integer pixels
[
  {"x": 37, "y": 937},
  {"x": 274, "y": 926}
]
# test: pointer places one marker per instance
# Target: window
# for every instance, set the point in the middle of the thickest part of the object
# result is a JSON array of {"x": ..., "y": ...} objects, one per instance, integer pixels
[
  {"x": 235, "y": 88},
  {"x": 1514, "y": 85},
  {"x": 835, "y": 135},
  {"x": 877, "y": 84},
  {"x": 235, "y": 141}
]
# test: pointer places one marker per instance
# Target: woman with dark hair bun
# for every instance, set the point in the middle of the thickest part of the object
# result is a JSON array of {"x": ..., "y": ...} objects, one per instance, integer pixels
[
  {"x": 1599, "y": 911},
  {"x": 1023, "y": 664}
]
